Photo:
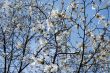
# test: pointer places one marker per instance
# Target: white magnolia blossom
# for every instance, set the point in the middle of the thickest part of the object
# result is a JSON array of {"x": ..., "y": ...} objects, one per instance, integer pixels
[
  {"x": 49, "y": 25},
  {"x": 38, "y": 27},
  {"x": 62, "y": 35},
  {"x": 51, "y": 68},
  {"x": 94, "y": 6},
  {"x": 19, "y": 45},
  {"x": 104, "y": 23},
  {"x": 103, "y": 55},
  {"x": 108, "y": 22},
  {"x": 33, "y": 64},
  {"x": 90, "y": 33},
  {"x": 64, "y": 60},
  {"x": 6, "y": 4},
  {"x": 82, "y": 46},
  {"x": 4, "y": 54},
  {"x": 54, "y": 67},
  {"x": 30, "y": 10},
  {"x": 33, "y": 29},
  {"x": 73, "y": 5},
  {"x": 36, "y": 61},
  {"x": 33, "y": 2},
  {"x": 40, "y": 60},
  {"x": 77, "y": 26},
  {"x": 42, "y": 42},
  {"x": 25, "y": 59},
  {"x": 19, "y": 25},
  {"x": 47, "y": 68},
  {"x": 18, "y": 5},
  {"x": 59, "y": 38},
  {"x": 66, "y": 33},
  {"x": 63, "y": 15},
  {"x": 100, "y": 17},
  {"x": 57, "y": 14},
  {"x": 54, "y": 13},
  {"x": 100, "y": 37}
]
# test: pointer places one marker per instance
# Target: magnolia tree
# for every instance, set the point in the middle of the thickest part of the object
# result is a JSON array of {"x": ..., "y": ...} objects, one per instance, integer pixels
[{"x": 54, "y": 36}]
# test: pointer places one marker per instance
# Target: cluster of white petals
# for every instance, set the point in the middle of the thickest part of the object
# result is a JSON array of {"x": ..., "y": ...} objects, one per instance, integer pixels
[
  {"x": 58, "y": 14},
  {"x": 19, "y": 45},
  {"x": 94, "y": 5},
  {"x": 6, "y": 4},
  {"x": 49, "y": 25},
  {"x": 99, "y": 16},
  {"x": 51, "y": 68},
  {"x": 30, "y": 10},
  {"x": 42, "y": 42},
  {"x": 74, "y": 5}
]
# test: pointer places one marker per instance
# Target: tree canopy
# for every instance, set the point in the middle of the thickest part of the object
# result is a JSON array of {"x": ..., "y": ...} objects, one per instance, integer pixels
[{"x": 54, "y": 36}]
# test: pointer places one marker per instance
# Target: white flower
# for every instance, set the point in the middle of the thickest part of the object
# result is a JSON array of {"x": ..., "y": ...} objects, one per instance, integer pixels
[
  {"x": 62, "y": 15},
  {"x": 34, "y": 60},
  {"x": 14, "y": 19},
  {"x": 90, "y": 34},
  {"x": 57, "y": 14},
  {"x": 33, "y": 57},
  {"x": 59, "y": 37},
  {"x": 73, "y": 5},
  {"x": 42, "y": 41},
  {"x": 54, "y": 13},
  {"x": 40, "y": 26},
  {"x": 40, "y": 60},
  {"x": 100, "y": 37},
  {"x": 33, "y": 64},
  {"x": 77, "y": 26},
  {"x": 51, "y": 68},
  {"x": 6, "y": 4},
  {"x": 104, "y": 23},
  {"x": 54, "y": 67},
  {"x": 30, "y": 10},
  {"x": 18, "y": 5},
  {"x": 49, "y": 25},
  {"x": 33, "y": 29},
  {"x": 89, "y": 56},
  {"x": 103, "y": 55},
  {"x": 19, "y": 45},
  {"x": 80, "y": 45},
  {"x": 5, "y": 54},
  {"x": 25, "y": 59},
  {"x": 66, "y": 33},
  {"x": 19, "y": 25},
  {"x": 37, "y": 27},
  {"x": 100, "y": 17},
  {"x": 33, "y": 2},
  {"x": 64, "y": 60},
  {"x": 47, "y": 68},
  {"x": 94, "y": 6},
  {"x": 82, "y": 9}
]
